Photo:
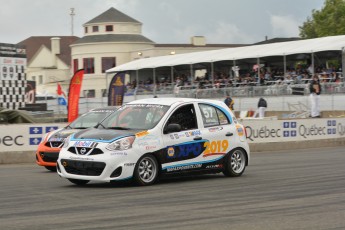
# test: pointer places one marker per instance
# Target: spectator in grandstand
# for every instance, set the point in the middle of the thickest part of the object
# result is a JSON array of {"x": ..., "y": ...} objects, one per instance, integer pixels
[
  {"x": 229, "y": 102},
  {"x": 262, "y": 105},
  {"x": 315, "y": 91}
]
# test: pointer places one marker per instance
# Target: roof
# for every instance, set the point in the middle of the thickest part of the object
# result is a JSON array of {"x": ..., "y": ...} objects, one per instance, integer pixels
[
  {"x": 32, "y": 45},
  {"x": 112, "y": 15},
  {"x": 273, "y": 40},
  {"x": 191, "y": 45},
  {"x": 171, "y": 100},
  {"x": 127, "y": 38},
  {"x": 306, "y": 46}
]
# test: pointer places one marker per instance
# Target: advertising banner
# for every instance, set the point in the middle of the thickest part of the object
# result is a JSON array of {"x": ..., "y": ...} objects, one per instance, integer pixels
[
  {"x": 265, "y": 131},
  {"x": 24, "y": 137},
  {"x": 117, "y": 89},
  {"x": 74, "y": 94}
]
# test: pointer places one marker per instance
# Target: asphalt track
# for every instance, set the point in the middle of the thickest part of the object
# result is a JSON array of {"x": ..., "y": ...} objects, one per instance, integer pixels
[{"x": 304, "y": 189}]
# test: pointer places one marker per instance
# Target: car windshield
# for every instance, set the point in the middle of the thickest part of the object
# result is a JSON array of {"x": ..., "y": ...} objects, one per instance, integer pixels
[
  {"x": 89, "y": 119},
  {"x": 135, "y": 116}
]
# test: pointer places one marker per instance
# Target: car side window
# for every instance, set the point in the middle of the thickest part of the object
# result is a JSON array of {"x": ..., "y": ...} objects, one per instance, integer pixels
[
  {"x": 184, "y": 116},
  {"x": 212, "y": 116}
]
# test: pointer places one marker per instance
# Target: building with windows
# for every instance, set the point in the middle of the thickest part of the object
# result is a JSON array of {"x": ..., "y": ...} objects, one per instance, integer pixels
[
  {"x": 110, "y": 39},
  {"x": 114, "y": 38},
  {"x": 48, "y": 62}
]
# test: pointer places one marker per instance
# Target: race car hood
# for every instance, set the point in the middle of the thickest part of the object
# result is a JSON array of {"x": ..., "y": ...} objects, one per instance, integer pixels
[
  {"x": 103, "y": 134},
  {"x": 63, "y": 133}
]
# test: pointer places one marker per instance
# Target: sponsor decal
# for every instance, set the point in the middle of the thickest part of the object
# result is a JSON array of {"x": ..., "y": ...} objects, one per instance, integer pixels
[
  {"x": 172, "y": 136},
  {"x": 215, "y": 129},
  {"x": 193, "y": 133},
  {"x": 89, "y": 144},
  {"x": 142, "y": 134},
  {"x": 118, "y": 154},
  {"x": 184, "y": 167},
  {"x": 56, "y": 139},
  {"x": 171, "y": 151},
  {"x": 217, "y": 166},
  {"x": 129, "y": 164},
  {"x": 81, "y": 158},
  {"x": 149, "y": 140},
  {"x": 186, "y": 150},
  {"x": 150, "y": 147},
  {"x": 239, "y": 130},
  {"x": 215, "y": 148}
]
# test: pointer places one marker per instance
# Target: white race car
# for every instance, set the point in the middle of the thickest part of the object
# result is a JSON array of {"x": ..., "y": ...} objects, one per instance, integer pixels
[{"x": 149, "y": 138}]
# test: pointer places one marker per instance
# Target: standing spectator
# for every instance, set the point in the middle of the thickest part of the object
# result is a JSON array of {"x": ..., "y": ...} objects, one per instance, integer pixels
[
  {"x": 262, "y": 105},
  {"x": 315, "y": 91},
  {"x": 229, "y": 102}
]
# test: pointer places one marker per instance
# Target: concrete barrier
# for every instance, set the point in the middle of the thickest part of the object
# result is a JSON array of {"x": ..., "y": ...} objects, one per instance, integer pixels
[{"x": 18, "y": 143}]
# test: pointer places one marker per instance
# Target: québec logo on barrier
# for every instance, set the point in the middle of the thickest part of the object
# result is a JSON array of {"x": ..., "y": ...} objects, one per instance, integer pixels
[{"x": 39, "y": 131}]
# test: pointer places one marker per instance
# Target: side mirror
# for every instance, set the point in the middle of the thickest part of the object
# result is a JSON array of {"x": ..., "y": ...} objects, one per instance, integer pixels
[{"x": 172, "y": 128}]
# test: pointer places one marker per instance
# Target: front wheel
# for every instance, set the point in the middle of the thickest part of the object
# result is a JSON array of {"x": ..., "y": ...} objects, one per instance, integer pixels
[
  {"x": 146, "y": 170},
  {"x": 79, "y": 182},
  {"x": 235, "y": 163}
]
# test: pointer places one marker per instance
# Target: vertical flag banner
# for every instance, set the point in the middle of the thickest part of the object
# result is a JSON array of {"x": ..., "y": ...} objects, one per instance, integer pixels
[
  {"x": 73, "y": 95},
  {"x": 117, "y": 89},
  {"x": 61, "y": 95}
]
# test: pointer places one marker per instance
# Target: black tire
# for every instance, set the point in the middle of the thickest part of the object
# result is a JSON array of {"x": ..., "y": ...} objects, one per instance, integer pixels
[
  {"x": 146, "y": 170},
  {"x": 51, "y": 168},
  {"x": 235, "y": 163},
  {"x": 79, "y": 182}
]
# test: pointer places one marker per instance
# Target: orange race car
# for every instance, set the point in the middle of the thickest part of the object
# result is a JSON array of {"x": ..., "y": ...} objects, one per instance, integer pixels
[{"x": 48, "y": 150}]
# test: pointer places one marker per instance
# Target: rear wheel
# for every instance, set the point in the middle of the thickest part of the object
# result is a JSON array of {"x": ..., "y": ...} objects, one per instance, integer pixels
[
  {"x": 146, "y": 170},
  {"x": 51, "y": 168},
  {"x": 235, "y": 163},
  {"x": 79, "y": 182}
]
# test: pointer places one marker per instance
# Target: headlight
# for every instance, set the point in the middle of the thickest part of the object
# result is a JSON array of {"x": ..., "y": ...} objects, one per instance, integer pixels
[
  {"x": 66, "y": 142},
  {"x": 122, "y": 144}
]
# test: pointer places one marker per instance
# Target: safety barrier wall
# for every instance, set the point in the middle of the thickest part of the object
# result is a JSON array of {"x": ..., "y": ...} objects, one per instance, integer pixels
[{"x": 18, "y": 142}]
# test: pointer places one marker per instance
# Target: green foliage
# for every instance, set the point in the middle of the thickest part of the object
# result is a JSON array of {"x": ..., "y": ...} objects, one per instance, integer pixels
[{"x": 328, "y": 21}]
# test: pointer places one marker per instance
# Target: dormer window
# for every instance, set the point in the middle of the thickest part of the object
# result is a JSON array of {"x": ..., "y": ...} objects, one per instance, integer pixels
[
  {"x": 85, "y": 30},
  {"x": 109, "y": 28},
  {"x": 95, "y": 29}
]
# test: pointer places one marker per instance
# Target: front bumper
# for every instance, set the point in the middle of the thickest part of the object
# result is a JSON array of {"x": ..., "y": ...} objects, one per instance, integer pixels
[
  {"x": 103, "y": 167},
  {"x": 46, "y": 156}
]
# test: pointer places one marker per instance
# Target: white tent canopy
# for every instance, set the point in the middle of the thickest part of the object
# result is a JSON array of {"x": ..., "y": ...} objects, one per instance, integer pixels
[{"x": 332, "y": 43}]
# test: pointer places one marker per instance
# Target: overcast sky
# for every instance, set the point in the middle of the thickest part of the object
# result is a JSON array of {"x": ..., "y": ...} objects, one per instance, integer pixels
[{"x": 164, "y": 21}]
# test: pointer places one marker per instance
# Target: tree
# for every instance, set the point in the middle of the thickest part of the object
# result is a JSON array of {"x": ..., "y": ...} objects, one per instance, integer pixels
[{"x": 328, "y": 21}]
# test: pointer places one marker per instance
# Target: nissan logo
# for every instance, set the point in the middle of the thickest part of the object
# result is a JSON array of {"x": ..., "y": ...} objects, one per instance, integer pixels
[{"x": 83, "y": 151}]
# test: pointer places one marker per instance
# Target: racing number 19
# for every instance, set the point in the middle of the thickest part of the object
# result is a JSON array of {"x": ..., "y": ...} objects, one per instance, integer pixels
[{"x": 216, "y": 147}]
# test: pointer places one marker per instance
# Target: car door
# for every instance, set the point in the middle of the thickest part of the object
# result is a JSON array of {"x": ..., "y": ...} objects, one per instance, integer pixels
[
  {"x": 219, "y": 133},
  {"x": 182, "y": 147}
]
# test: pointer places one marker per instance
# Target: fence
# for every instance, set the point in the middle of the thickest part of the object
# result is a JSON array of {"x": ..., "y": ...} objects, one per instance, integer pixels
[{"x": 246, "y": 97}]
